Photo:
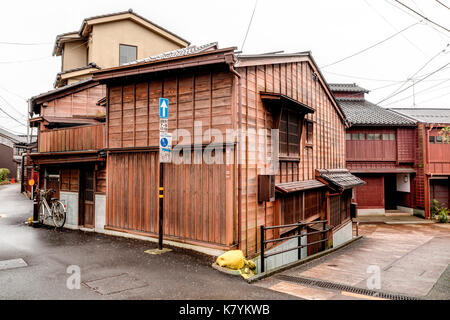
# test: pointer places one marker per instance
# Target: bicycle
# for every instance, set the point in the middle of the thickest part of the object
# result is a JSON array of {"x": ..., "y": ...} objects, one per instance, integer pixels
[{"x": 55, "y": 209}]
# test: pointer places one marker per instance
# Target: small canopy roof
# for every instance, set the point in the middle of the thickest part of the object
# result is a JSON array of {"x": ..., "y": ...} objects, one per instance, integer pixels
[
  {"x": 278, "y": 100},
  {"x": 339, "y": 178},
  {"x": 295, "y": 186}
]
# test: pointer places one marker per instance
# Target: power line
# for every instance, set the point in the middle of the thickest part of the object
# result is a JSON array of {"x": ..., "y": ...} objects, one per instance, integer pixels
[
  {"x": 420, "y": 80},
  {"x": 443, "y": 4},
  {"x": 440, "y": 96},
  {"x": 41, "y": 58},
  {"x": 421, "y": 15},
  {"x": 420, "y": 69},
  {"x": 12, "y": 131},
  {"x": 370, "y": 47},
  {"x": 10, "y": 116},
  {"x": 25, "y": 43},
  {"x": 441, "y": 33},
  {"x": 6, "y": 101},
  {"x": 421, "y": 91},
  {"x": 393, "y": 27},
  {"x": 249, "y": 24}
]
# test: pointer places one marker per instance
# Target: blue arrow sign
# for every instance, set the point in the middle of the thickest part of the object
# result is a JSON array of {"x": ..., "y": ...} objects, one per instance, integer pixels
[{"x": 163, "y": 108}]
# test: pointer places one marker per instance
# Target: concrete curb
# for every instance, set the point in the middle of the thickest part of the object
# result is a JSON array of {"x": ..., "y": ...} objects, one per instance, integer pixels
[
  {"x": 300, "y": 262},
  {"x": 226, "y": 270}
]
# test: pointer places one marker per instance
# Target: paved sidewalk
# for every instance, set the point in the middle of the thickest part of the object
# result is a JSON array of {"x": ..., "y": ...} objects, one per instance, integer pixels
[
  {"x": 411, "y": 258},
  {"x": 111, "y": 267},
  {"x": 392, "y": 219}
]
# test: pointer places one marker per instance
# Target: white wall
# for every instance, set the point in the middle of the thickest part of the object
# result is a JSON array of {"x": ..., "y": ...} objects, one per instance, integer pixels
[
  {"x": 70, "y": 199},
  {"x": 403, "y": 182},
  {"x": 343, "y": 234},
  {"x": 100, "y": 212}
]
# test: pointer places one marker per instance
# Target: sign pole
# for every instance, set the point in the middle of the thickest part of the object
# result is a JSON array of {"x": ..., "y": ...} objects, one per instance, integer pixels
[
  {"x": 165, "y": 147},
  {"x": 161, "y": 205}
]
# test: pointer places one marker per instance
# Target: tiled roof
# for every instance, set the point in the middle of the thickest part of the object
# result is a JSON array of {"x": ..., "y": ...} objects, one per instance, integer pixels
[
  {"x": 341, "y": 178},
  {"x": 287, "y": 187},
  {"x": 426, "y": 115},
  {"x": 346, "y": 87},
  {"x": 176, "y": 53},
  {"x": 363, "y": 112}
]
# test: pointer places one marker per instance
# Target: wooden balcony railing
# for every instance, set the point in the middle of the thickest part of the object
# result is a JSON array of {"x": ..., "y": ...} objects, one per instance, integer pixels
[{"x": 91, "y": 137}]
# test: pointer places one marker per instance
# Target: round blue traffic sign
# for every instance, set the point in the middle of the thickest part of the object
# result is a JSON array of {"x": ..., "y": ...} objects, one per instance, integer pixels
[{"x": 164, "y": 142}]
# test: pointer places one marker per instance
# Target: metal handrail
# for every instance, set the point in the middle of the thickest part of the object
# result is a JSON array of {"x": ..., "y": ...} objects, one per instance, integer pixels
[{"x": 299, "y": 226}]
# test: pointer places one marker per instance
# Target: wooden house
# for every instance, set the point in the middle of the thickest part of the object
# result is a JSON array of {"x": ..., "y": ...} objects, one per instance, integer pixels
[
  {"x": 222, "y": 205},
  {"x": 381, "y": 150}
]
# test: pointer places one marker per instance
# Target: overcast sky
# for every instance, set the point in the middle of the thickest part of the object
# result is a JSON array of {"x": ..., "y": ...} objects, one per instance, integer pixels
[{"x": 331, "y": 29}]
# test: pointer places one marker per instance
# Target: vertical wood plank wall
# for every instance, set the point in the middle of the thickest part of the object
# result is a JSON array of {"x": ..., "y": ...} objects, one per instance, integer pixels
[
  {"x": 79, "y": 104},
  {"x": 198, "y": 197},
  {"x": 328, "y": 150}
]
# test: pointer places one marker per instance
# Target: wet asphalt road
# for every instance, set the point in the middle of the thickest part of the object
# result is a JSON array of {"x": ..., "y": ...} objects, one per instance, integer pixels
[{"x": 120, "y": 265}]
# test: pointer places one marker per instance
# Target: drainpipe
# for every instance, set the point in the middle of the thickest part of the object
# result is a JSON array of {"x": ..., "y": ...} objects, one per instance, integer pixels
[
  {"x": 230, "y": 62},
  {"x": 427, "y": 180}
]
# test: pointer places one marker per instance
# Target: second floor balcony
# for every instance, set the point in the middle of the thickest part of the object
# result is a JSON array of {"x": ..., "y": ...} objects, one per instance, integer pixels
[{"x": 82, "y": 138}]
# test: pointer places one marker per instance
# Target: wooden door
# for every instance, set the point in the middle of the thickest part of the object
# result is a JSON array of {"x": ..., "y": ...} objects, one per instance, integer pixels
[
  {"x": 439, "y": 190},
  {"x": 390, "y": 191},
  {"x": 87, "y": 191}
]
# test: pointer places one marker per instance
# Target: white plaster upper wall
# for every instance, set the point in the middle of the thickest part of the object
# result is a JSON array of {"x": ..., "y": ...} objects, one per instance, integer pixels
[{"x": 403, "y": 182}]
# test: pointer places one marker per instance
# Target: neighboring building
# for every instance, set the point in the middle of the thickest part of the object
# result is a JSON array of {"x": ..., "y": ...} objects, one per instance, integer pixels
[
  {"x": 433, "y": 156},
  {"x": 380, "y": 149},
  {"x": 11, "y": 149},
  {"x": 110, "y": 40},
  {"x": 79, "y": 103}
]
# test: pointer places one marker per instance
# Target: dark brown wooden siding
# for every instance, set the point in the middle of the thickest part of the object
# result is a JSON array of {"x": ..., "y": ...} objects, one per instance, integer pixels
[
  {"x": 327, "y": 150},
  {"x": 133, "y": 118},
  {"x": 69, "y": 178},
  {"x": 194, "y": 204},
  {"x": 79, "y": 104},
  {"x": 91, "y": 137}
]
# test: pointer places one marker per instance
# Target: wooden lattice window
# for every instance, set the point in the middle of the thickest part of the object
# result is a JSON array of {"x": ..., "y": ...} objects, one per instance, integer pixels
[{"x": 289, "y": 133}]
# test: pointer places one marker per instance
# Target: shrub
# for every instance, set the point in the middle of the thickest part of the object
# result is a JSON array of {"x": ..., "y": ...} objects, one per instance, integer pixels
[
  {"x": 4, "y": 174},
  {"x": 440, "y": 211}
]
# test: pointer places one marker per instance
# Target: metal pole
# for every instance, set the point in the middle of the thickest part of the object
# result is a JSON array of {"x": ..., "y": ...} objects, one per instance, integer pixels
[
  {"x": 161, "y": 205},
  {"x": 262, "y": 248},
  {"x": 299, "y": 243},
  {"x": 324, "y": 236},
  {"x": 35, "y": 191}
]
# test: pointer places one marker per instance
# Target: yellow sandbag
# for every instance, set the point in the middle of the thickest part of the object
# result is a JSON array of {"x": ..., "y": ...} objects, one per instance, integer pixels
[{"x": 233, "y": 259}]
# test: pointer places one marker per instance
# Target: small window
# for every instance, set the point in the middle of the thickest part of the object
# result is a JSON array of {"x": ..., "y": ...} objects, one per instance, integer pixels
[
  {"x": 431, "y": 138},
  {"x": 392, "y": 136},
  {"x": 348, "y": 136},
  {"x": 355, "y": 136},
  {"x": 289, "y": 133},
  {"x": 309, "y": 132},
  {"x": 370, "y": 136},
  {"x": 438, "y": 139},
  {"x": 385, "y": 136},
  {"x": 127, "y": 53},
  {"x": 378, "y": 136},
  {"x": 362, "y": 136}
]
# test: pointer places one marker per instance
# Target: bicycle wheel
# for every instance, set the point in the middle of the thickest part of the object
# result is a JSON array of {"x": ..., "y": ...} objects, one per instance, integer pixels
[
  {"x": 41, "y": 213},
  {"x": 59, "y": 214}
]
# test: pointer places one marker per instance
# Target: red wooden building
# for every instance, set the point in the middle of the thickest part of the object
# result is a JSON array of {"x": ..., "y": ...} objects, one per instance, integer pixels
[
  {"x": 433, "y": 156},
  {"x": 214, "y": 205},
  {"x": 381, "y": 150}
]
